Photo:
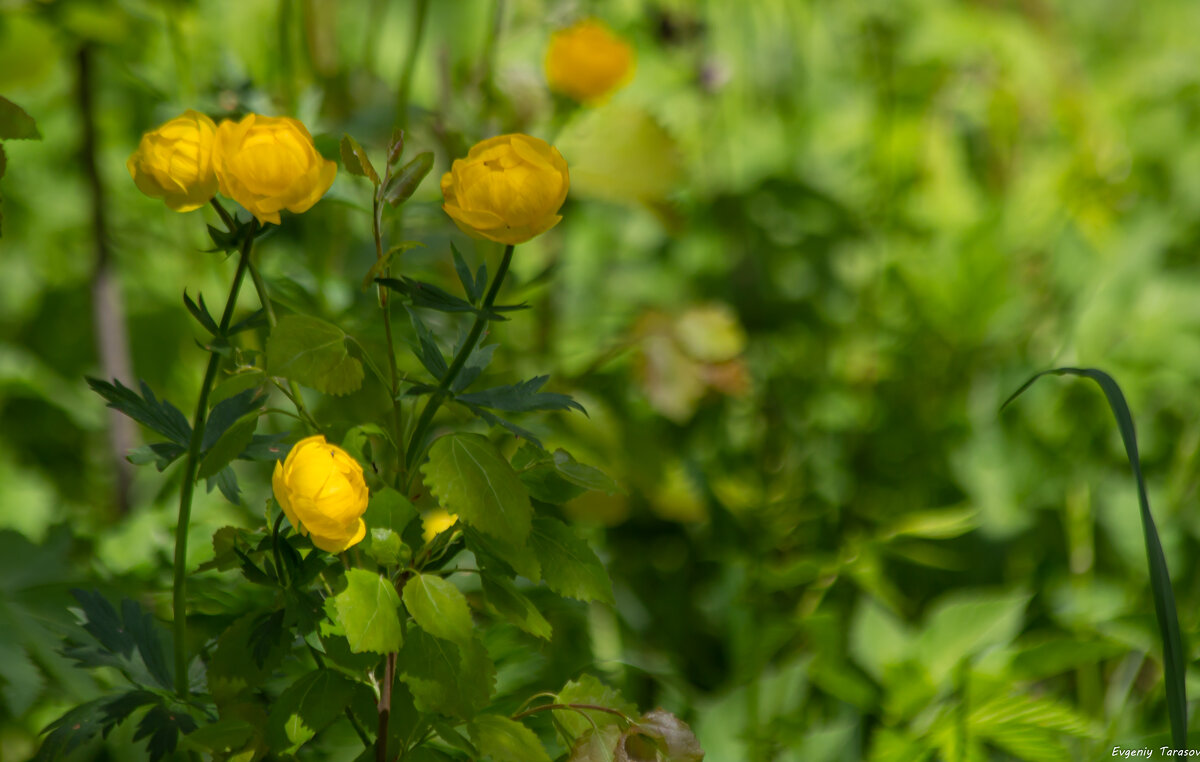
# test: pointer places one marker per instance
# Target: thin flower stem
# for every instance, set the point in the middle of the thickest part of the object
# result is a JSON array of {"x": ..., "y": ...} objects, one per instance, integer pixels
[
  {"x": 385, "y": 305},
  {"x": 415, "y": 445},
  {"x": 191, "y": 463}
]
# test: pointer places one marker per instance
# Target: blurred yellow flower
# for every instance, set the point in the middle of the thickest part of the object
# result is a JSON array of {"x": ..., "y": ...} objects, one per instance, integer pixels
[
  {"x": 508, "y": 188},
  {"x": 587, "y": 62},
  {"x": 269, "y": 163},
  {"x": 322, "y": 492},
  {"x": 435, "y": 522},
  {"x": 174, "y": 162}
]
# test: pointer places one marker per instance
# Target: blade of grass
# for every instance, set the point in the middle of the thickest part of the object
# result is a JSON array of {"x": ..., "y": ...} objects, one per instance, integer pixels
[{"x": 1160, "y": 579}]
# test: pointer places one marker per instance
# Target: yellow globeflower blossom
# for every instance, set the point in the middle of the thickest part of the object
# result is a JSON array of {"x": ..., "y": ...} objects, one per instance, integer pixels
[
  {"x": 173, "y": 162},
  {"x": 587, "y": 62},
  {"x": 508, "y": 188},
  {"x": 269, "y": 163},
  {"x": 322, "y": 492}
]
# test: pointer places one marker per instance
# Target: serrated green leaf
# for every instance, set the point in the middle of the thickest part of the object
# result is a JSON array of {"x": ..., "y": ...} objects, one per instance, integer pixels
[
  {"x": 355, "y": 160},
  {"x": 477, "y": 361},
  {"x": 557, "y": 477},
  {"x": 470, "y": 478},
  {"x": 439, "y": 608},
  {"x": 231, "y": 444},
  {"x": 503, "y": 740},
  {"x": 964, "y": 623},
  {"x": 596, "y": 746},
  {"x": 15, "y": 124},
  {"x": 464, "y": 275},
  {"x": 308, "y": 706},
  {"x": 569, "y": 565},
  {"x": 70, "y": 731},
  {"x": 161, "y": 454},
  {"x": 313, "y": 352},
  {"x": 223, "y": 736},
  {"x": 427, "y": 295},
  {"x": 368, "y": 611},
  {"x": 228, "y": 412},
  {"x": 588, "y": 690},
  {"x": 162, "y": 727},
  {"x": 200, "y": 312},
  {"x": 445, "y": 677},
  {"x": 503, "y": 596},
  {"x": 429, "y": 353}
]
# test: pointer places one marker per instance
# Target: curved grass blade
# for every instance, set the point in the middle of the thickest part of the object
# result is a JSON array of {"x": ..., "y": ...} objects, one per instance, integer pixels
[{"x": 1160, "y": 580}]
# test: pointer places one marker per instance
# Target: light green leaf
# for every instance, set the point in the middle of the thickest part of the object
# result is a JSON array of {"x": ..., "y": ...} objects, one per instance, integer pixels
[
  {"x": 229, "y": 446},
  {"x": 368, "y": 611},
  {"x": 596, "y": 746},
  {"x": 503, "y": 596},
  {"x": 308, "y": 706},
  {"x": 569, "y": 565},
  {"x": 439, "y": 608},
  {"x": 963, "y": 624},
  {"x": 355, "y": 160},
  {"x": 313, "y": 352},
  {"x": 470, "y": 478},
  {"x": 503, "y": 740},
  {"x": 589, "y": 690},
  {"x": 388, "y": 513},
  {"x": 444, "y": 677},
  {"x": 502, "y": 558}
]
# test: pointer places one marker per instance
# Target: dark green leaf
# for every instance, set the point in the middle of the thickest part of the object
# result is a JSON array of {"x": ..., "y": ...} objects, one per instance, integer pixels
[
  {"x": 521, "y": 397},
  {"x": 313, "y": 353},
  {"x": 256, "y": 319},
  {"x": 163, "y": 727},
  {"x": 1174, "y": 661},
  {"x": 569, "y": 565},
  {"x": 307, "y": 707},
  {"x": 229, "y": 447},
  {"x": 405, "y": 182},
  {"x": 161, "y": 454},
  {"x": 495, "y": 420},
  {"x": 503, "y": 740},
  {"x": 200, "y": 312},
  {"x": 470, "y": 478},
  {"x": 368, "y": 611},
  {"x": 15, "y": 124},
  {"x": 503, "y": 596},
  {"x": 245, "y": 378},
  {"x": 429, "y": 354},
  {"x": 119, "y": 708},
  {"x": 160, "y": 416},
  {"x": 445, "y": 677},
  {"x": 355, "y": 160},
  {"x": 266, "y": 447},
  {"x": 73, "y": 729},
  {"x": 476, "y": 362},
  {"x": 464, "y": 275},
  {"x": 502, "y": 558},
  {"x": 427, "y": 295},
  {"x": 439, "y": 608},
  {"x": 387, "y": 516},
  {"x": 226, "y": 481}
]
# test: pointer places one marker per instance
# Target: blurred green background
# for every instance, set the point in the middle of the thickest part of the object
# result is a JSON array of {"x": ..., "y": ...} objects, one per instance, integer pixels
[{"x": 808, "y": 252}]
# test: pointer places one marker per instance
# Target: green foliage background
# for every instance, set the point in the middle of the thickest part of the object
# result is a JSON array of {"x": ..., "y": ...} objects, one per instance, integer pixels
[{"x": 808, "y": 252}]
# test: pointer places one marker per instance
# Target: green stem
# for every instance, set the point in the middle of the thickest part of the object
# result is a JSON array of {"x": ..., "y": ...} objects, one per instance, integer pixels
[
  {"x": 435, "y": 399},
  {"x": 420, "y": 11},
  {"x": 192, "y": 462},
  {"x": 275, "y": 551},
  {"x": 385, "y": 305}
]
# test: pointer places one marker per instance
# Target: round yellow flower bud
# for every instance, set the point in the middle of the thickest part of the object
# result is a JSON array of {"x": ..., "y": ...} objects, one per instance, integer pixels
[
  {"x": 269, "y": 163},
  {"x": 508, "y": 189},
  {"x": 587, "y": 62},
  {"x": 322, "y": 492},
  {"x": 174, "y": 162}
]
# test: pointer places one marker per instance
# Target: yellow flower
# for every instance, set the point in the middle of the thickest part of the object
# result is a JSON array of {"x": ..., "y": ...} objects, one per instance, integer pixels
[
  {"x": 269, "y": 163},
  {"x": 587, "y": 62},
  {"x": 174, "y": 162},
  {"x": 322, "y": 492},
  {"x": 508, "y": 189},
  {"x": 435, "y": 522}
]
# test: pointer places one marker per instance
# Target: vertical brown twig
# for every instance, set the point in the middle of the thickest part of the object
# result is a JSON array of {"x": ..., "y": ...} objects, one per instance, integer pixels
[
  {"x": 108, "y": 309},
  {"x": 385, "y": 708}
]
